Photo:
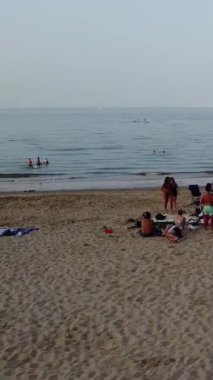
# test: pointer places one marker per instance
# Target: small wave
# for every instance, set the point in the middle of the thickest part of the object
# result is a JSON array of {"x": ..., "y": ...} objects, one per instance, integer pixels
[
  {"x": 174, "y": 173},
  {"x": 76, "y": 177},
  {"x": 142, "y": 138},
  {"x": 152, "y": 173},
  {"x": 70, "y": 150},
  {"x": 27, "y": 175},
  {"x": 160, "y": 173},
  {"x": 98, "y": 171}
]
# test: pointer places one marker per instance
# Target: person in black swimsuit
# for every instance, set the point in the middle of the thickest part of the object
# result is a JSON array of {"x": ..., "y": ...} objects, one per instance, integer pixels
[
  {"x": 166, "y": 192},
  {"x": 38, "y": 163},
  {"x": 173, "y": 194}
]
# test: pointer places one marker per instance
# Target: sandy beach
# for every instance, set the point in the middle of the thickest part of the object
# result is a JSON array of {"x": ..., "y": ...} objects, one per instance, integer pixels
[{"x": 79, "y": 304}]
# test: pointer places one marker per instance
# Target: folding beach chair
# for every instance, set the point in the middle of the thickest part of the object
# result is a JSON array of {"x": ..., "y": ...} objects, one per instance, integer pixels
[{"x": 195, "y": 193}]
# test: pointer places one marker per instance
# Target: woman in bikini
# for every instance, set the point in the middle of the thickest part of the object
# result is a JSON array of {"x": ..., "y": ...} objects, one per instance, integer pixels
[
  {"x": 166, "y": 191},
  {"x": 173, "y": 193}
]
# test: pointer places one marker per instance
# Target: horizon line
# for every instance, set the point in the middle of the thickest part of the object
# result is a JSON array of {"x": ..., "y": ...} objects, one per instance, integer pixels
[{"x": 100, "y": 108}]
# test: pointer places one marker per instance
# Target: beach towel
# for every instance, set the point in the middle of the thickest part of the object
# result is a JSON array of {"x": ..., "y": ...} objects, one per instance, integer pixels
[{"x": 16, "y": 231}]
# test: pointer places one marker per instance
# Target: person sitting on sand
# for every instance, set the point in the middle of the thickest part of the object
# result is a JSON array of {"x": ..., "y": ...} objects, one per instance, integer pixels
[
  {"x": 206, "y": 202},
  {"x": 148, "y": 228},
  {"x": 180, "y": 220},
  {"x": 146, "y": 225},
  {"x": 29, "y": 163},
  {"x": 174, "y": 231}
]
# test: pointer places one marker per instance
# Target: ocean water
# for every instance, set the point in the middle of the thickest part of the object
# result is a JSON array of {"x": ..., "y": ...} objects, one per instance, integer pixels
[{"x": 105, "y": 148}]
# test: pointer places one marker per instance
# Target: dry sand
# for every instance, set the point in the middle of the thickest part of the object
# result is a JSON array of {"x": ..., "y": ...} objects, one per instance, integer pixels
[{"x": 79, "y": 304}]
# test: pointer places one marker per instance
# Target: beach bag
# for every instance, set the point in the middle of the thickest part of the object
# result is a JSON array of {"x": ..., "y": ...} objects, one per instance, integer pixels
[{"x": 159, "y": 216}]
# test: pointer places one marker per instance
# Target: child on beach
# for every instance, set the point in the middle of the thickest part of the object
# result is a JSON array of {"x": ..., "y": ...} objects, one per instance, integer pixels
[
  {"x": 148, "y": 228},
  {"x": 206, "y": 202},
  {"x": 145, "y": 225}
]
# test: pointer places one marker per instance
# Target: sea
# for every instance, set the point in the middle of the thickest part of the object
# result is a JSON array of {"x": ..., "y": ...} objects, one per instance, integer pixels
[{"x": 104, "y": 148}]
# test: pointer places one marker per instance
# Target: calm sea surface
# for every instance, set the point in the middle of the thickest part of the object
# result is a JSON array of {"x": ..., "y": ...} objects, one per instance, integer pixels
[{"x": 105, "y": 148}]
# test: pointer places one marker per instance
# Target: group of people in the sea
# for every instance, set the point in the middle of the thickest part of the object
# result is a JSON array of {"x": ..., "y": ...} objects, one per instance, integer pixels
[
  {"x": 139, "y": 121},
  {"x": 175, "y": 227},
  {"x": 159, "y": 151},
  {"x": 38, "y": 163}
]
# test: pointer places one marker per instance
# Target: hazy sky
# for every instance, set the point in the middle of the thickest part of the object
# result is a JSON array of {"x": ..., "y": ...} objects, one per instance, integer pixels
[{"x": 70, "y": 53}]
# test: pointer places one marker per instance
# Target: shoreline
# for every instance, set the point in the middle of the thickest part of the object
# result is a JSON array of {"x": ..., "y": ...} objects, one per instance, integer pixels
[
  {"x": 85, "y": 191},
  {"x": 88, "y": 186},
  {"x": 96, "y": 184}
]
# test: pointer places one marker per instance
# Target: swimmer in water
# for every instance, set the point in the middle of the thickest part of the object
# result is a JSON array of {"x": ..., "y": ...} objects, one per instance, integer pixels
[
  {"x": 38, "y": 163},
  {"x": 29, "y": 163},
  {"x": 46, "y": 162}
]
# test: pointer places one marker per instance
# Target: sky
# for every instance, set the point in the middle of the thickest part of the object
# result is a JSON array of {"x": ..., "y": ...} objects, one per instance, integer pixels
[{"x": 106, "y": 53}]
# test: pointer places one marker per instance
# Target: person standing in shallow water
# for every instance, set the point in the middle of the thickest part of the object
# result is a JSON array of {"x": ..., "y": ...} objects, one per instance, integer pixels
[
  {"x": 166, "y": 191},
  {"x": 29, "y": 163},
  {"x": 38, "y": 162}
]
